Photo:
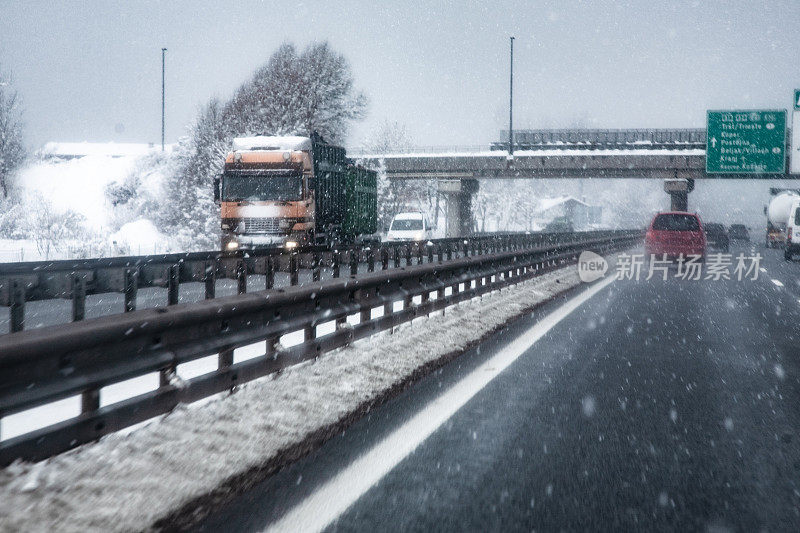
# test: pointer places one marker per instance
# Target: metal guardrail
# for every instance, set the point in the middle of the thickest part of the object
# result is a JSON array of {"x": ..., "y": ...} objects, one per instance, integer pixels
[
  {"x": 44, "y": 365},
  {"x": 355, "y": 153},
  {"x": 570, "y": 139},
  {"x": 607, "y": 137},
  {"x": 75, "y": 279}
]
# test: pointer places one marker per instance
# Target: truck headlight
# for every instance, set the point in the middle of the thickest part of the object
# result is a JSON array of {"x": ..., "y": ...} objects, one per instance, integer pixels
[
  {"x": 233, "y": 245},
  {"x": 291, "y": 244}
]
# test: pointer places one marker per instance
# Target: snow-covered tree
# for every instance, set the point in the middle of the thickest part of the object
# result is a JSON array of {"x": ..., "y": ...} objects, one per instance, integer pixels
[
  {"x": 190, "y": 214},
  {"x": 297, "y": 94},
  {"x": 50, "y": 229},
  {"x": 12, "y": 150},
  {"x": 394, "y": 196},
  {"x": 290, "y": 95}
]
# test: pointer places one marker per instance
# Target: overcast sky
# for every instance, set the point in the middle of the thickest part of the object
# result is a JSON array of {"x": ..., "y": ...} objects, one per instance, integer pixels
[{"x": 92, "y": 70}]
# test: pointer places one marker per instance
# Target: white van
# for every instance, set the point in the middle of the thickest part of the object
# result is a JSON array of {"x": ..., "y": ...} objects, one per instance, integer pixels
[
  {"x": 409, "y": 227},
  {"x": 792, "y": 231}
]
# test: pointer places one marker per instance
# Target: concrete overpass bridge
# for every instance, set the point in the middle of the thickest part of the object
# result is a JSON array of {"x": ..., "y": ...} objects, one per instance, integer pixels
[{"x": 677, "y": 156}]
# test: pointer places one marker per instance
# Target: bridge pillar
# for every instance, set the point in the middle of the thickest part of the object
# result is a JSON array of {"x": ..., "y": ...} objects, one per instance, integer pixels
[
  {"x": 458, "y": 195},
  {"x": 678, "y": 190}
]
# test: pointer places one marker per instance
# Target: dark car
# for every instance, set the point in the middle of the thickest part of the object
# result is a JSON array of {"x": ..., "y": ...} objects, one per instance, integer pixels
[
  {"x": 738, "y": 232},
  {"x": 716, "y": 236}
]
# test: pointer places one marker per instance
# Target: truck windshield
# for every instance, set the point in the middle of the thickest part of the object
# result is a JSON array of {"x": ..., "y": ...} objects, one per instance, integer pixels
[{"x": 261, "y": 187}]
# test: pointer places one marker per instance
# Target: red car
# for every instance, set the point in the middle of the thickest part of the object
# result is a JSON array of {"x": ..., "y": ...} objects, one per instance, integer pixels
[{"x": 675, "y": 233}]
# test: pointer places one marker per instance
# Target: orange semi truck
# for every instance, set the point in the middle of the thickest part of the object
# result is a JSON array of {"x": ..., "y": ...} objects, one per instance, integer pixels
[{"x": 294, "y": 191}]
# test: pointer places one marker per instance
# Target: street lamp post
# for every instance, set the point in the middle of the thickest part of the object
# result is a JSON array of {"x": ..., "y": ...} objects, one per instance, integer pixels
[
  {"x": 511, "y": 104},
  {"x": 163, "y": 53}
]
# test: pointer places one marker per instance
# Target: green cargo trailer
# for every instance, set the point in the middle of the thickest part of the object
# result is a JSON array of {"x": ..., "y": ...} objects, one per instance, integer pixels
[{"x": 346, "y": 195}]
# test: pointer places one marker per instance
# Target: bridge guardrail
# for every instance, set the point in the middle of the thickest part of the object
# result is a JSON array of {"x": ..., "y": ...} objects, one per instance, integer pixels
[{"x": 44, "y": 365}]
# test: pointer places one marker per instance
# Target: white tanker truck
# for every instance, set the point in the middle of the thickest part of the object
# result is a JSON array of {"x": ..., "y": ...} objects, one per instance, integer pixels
[{"x": 778, "y": 212}]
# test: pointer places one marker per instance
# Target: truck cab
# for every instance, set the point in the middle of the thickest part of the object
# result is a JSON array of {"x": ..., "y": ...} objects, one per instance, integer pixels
[
  {"x": 265, "y": 193},
  {"x": 293, "y": 191}
]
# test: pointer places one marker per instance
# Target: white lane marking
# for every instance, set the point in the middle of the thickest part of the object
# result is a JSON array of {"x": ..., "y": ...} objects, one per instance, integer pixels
[
  {"x": 778, "y": 283},
  {"x": 763, "y": 269},
  {"x": 330, "y": 500}
]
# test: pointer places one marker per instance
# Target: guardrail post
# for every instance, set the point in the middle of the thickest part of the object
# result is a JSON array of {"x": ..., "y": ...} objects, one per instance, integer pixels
[
  {"x": 353, "y": 262},
  {"x": 210, "y": 280},
  {"x": 439, "y": 253},
  {"x": 365, "y": 315},
  {"x": 78, "y": 298},
  {"x": 316, "y": 273},
  {"x": 408, "y": 301},
  {"x": 449, "y": 251},
  {"x": 425, "y": 298},
  {"x": 407, "y": 249},
  {"x": 384, "y": 259},
  {"x": 396, "y": 256},
  {"x": 225, "y": 359},
  {"x": 308, "y": 333},
  {"x": 241, "y": 277},
  {"x": 269, "y": 272},
  {"x": 173, "y": 282},
  {"x": 419, "y": 254},
  {"x": 294, "y": 270},
  {"x": 90, "y": 400},
  {"x": 17, "y": 311},
  {"x": 337, "y": 258},
  {"x": 131, "y": 288},
  {"x": 430, "y": 253},
  {"x": 371, "y": 260},
  {"x": 166, "y": 375}
]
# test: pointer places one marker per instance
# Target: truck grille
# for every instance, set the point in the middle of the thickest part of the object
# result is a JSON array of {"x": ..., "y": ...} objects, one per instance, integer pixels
[{"x": 261, "y": 225}]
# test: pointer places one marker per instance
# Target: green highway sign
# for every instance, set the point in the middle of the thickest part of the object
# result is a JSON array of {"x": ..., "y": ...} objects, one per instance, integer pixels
[
  {"x": 796, "y": 99},
  {"x": 746, "y": 141}
]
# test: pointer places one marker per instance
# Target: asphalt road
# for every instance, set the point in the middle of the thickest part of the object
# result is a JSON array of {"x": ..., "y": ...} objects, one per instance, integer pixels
[{"x": 656, "y": 405}]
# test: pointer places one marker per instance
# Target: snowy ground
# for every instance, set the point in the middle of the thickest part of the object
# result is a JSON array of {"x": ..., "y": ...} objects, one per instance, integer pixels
[
  {"x": 75, "y": 177},
  {"x": 127, "y": 481},
  {"x": 17, "y": 250}
]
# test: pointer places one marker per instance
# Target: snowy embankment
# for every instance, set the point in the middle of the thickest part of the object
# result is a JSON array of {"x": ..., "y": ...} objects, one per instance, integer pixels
[
  {"x": 174, "y": 467},
  {"x": 76, "y": 201}
]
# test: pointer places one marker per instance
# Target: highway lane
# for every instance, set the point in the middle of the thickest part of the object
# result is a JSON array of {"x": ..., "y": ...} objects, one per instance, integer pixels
[
  {"x": 656, "y": 405},
  {"x": 777, "y": 269}
]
